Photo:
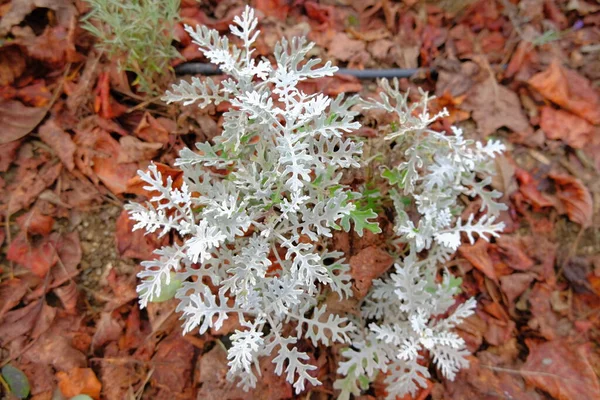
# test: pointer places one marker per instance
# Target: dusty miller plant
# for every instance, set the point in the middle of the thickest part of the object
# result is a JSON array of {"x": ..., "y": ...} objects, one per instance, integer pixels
[
  {"x": 408, "y": 316},
  {"x": 253, "y": 205}
]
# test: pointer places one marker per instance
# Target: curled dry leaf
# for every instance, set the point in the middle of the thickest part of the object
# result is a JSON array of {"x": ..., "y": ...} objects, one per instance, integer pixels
[
  {"x": 78, "y": 381},
  {"x": 569, "y": 90},
  {"x": 561, "y": 369},
  {"x": 575, "y": 197},
  {"x": 11, "y": 293},
  {"x": 151, "y": 130},
  {"x": 512, "y": 251},
  {"x": 107, "y": 330},
  {"x": 60, "y": 141},
  {"x": 104, "y": 104},
  {"x": 12, "y": 64},
  {"x": 18, "y": 120},
  {"x": 477, "y": 255},
  {"x": 68, "y": 296},
  {"x": 514, "y": 285}
]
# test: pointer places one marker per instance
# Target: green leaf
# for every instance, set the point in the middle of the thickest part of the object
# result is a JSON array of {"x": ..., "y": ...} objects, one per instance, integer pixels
[
  {"x": 17, "y": 381},
  {"x": 393, "y": 176},
  {"x": 364, "y": 382},
  {"x": 167, "y": 291},
  {"x": 330, "y": 119},
  {"x": 361, "y": 221},
  {"x": 81, "y": 397},
  {"x": 455, "y": 283}
]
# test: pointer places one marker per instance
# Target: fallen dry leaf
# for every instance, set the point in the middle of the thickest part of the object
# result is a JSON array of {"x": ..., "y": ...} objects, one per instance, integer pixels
[
  {"x": 78, "y": 381},
  {"x": 8, "y": 151},
  {"x": 343, "y": 48},
  {"x": 367, "y": 265},
  {"x": 11, "y": 293},
  {"x": 561, "y": 369},
  {"x": 494, "y": 106},
  {"x": 36, "y": 255},
  {"x": 544, "y": 319},
  {"x": 135, "y": 244},
  {"x": 514, "y": 285},
  {"x": 55, "y": 349},
  {"x": 60, "y": 141},
  {"x": 12, "y": 64},
  {"x": 18, "y": 120},
  {"x": 133, "y": 149},
  {"x": 30, "y": 186},
  {"x": 33, "y": 320},
  {"x": 117, "y": 378},
  {"x": 331, "y": 85},
  {"x": 35, "y": 94},
  {"x": 68, "y": 251},
  {"x": 107, "y": 330},
  {"x": 575, "y": 197},
  {"x": 54, "y": 47},
  {"x": 513, "y": 254},
  {"x": 569, "y": 90},
  {"x": 64, "y": 11},
  {"x": 68, "y": 295},
  {"x": 35, "y": 223},
  {"x": 136, "y": 185},
  {"x": 562, "y": 125},
  {"x": 274, "y": 8},
  {"x": 96, "y": 157},
  {"x": 173, "y": 365},
  {"x": 151, "y": 130},
  {"x": 104, "y": 103},
  {"x": 477, "y": 255},
  {"x": 487, "y": 378},
  {"x": 215, "y": 386}
]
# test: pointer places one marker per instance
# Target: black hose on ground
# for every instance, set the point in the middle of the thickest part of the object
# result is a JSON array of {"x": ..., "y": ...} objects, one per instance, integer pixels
[{"x": 196, "y": 68}]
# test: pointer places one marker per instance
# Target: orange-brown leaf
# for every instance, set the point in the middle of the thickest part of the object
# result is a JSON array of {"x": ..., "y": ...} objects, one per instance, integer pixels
[
  {"x": 562, "y": 370},
  {"x": 477, "y": 255},
  {"x": 367, "y": 265},
  {"x": 35, "y": 223},
  {"x": 79, "y": 381},
  {"x": 37, "y": 256},
  {"x": 559, "y": 124},
  {"x": 575, "y": 197},
  {"x": 569, "y": 90}
]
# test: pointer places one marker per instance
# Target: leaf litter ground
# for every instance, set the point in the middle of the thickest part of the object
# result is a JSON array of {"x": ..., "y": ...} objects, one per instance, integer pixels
[{"x": 76, "y": 132}]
